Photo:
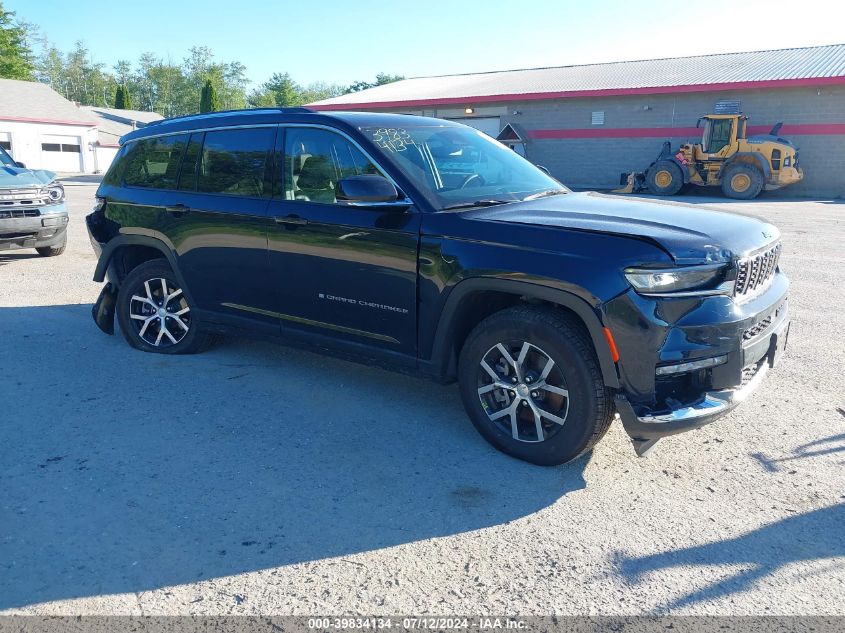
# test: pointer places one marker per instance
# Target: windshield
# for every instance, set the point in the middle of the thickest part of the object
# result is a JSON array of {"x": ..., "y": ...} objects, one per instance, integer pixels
[
  {"x": 457, "y": 166},
  {"x": 5, "y": 159}
]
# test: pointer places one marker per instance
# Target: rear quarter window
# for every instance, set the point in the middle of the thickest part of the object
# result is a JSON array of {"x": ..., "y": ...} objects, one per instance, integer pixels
[{"x": 154, "y": 162}]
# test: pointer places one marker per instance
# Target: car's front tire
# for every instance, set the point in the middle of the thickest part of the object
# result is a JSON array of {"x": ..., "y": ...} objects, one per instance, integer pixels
[
  {"x": 52, "y": 251},
  {"x": 531, "y": 384},
  {"x": 154, "y": 313}
]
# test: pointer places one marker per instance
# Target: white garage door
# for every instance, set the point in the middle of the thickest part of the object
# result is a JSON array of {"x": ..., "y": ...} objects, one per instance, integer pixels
[
  {"x": 489, "y": 124},
  {"x": 61, "y": 153}
]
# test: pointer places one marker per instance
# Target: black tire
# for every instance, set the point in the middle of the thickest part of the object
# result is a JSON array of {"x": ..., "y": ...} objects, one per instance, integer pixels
[
  {"x": 561, "y": 338},
  {"x": 52, "y": 251},
  {"x": 153, "y": 339},
  {"x": 742, "y": 182},
  {"x": 664, "y": 178}
]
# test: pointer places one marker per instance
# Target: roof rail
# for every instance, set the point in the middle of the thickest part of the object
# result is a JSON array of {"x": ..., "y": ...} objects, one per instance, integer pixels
[{"x": 284, "y": 110}]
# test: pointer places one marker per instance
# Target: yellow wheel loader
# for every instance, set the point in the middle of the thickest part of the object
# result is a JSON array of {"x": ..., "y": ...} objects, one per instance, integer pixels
[{"x": 742, "y": 166}]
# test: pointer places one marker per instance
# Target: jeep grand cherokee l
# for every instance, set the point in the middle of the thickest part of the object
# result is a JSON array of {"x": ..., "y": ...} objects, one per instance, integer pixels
[
  {"x": 423, "y": 244},
  {"x": 32, "y": 209}
]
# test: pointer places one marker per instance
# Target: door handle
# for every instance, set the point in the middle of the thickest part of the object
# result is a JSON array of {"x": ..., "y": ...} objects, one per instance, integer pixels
[
  {"x": 177, "y": 209},
  {"x": 291, "y": 219}
]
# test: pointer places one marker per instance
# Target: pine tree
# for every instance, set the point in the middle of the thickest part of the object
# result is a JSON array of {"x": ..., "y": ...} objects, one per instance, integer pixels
[
  {"x": 120, "y": 98},
  {"x": 209, "y": 102},
  {"x": 127, "y": 98}
]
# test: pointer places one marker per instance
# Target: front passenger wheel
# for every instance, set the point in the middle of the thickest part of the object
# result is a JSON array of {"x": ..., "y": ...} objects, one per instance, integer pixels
[
  {"x": 154, "y": 312},
  {"x": 531, "y": 384}
]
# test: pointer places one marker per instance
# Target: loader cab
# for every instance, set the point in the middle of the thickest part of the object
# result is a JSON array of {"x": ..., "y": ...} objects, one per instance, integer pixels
[{"x": 720, "y": 133}]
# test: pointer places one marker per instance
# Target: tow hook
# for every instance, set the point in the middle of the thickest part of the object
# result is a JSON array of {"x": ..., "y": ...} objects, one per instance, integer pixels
[{"x": 103, "y": 309}]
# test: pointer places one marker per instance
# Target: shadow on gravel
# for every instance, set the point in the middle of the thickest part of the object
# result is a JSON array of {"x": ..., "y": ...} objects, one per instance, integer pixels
[
  {"x": 815, "y": 535},
  {"x": 125, "y": 472},
  {"x": 823, "y": 446},
  {"x": 14, "y": 256}
]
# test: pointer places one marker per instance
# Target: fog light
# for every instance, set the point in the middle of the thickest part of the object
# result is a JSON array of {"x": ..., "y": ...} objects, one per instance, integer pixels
[
  {"x": 49, "y": 221},
  {"x": 680, "y": 368}
]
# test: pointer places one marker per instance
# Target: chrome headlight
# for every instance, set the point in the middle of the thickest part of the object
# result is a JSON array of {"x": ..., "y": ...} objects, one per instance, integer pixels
[
  {"x": 687, "y": 281},
  {"x": 55, "y": 193}
]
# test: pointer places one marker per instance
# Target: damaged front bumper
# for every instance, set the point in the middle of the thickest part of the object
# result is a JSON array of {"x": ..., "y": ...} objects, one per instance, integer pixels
[
  {"x": 646, "y": 429},
  {"x": 734, "y": 347}
]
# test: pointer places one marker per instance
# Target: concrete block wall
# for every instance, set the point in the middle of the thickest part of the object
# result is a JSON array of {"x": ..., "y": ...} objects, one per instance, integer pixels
[{"x": 597, "y": 162}]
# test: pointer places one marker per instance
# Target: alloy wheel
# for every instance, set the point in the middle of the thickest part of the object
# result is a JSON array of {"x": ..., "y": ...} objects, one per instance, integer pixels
[
  {"x": 522, "y": 391},
  {"x": 161, "y": 316}
]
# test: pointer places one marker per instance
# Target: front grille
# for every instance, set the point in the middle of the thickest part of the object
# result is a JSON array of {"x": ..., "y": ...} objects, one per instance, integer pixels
[
  {"x": 14, "y": 198},
  {"x": 754, "y": 273},
  {"x": 7, "y": 214}
]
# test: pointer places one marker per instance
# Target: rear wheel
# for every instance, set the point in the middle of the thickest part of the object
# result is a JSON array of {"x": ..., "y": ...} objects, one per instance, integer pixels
[
  {"x": 531, "y": 384},
  {"x": 742, "y": 182},
  {"x": 664, "y": 178},
  {"x": 154, "y": 313}
]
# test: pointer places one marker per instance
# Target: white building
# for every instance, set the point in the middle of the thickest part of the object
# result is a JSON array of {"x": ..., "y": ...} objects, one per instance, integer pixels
[
  {"x": 111, "y": 125},
  {"x": 43, "y": 130}
]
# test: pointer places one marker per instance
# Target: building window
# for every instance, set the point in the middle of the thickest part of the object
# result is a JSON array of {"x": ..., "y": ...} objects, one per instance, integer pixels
[
  {"x": 63, "y": 147},
  {"x": 7, "y": 145},
  {"x": 597, "y": 118}
]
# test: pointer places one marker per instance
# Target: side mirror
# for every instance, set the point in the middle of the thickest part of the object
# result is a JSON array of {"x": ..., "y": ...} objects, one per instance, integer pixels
[
  {"x": 20, "y": 164},
  {"x": 543, "y": 169},
  {"x": 367, "y": 190}
]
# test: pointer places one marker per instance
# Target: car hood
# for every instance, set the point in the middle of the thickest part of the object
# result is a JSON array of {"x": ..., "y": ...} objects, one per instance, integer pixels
[
  {"x": 688, "y": 233},
  {"x": 15, "y": 177}
]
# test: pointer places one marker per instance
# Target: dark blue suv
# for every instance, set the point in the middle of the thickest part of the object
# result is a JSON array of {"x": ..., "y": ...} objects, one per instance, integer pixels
[{"x": 423, "y": 244}]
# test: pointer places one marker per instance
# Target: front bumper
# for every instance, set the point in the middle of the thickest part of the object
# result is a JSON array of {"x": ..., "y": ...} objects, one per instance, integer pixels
[
  {"x": 44, "y": 230},
  {"x": 748, "y": 338},
  {"x": 646, "y": 429},
  {"x": 785, "y": 177}
]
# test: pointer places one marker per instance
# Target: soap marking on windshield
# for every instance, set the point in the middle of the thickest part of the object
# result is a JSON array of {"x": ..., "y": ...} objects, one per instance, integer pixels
[{"x": 392, "y": 139}]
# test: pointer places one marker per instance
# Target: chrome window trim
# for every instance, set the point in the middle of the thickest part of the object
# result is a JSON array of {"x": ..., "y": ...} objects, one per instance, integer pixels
[{"x": 317, "y": 126}]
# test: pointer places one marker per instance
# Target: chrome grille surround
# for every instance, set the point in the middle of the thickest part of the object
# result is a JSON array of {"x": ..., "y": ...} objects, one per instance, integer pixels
[
  {"x": 755, "y": 273},
  {"x": 23, "y": 198}
]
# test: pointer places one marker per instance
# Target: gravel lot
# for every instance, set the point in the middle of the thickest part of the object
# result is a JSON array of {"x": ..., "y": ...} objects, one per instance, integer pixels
[{"x": 260, "y": 479}]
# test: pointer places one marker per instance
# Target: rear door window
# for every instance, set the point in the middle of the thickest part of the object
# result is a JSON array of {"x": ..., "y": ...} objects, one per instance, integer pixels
[
  {"x": 234, "y": 162},
  {"x": 154, "y": 162}
]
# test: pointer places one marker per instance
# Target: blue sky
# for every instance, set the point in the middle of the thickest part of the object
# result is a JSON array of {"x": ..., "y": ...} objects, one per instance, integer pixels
[{"x": 340, "y": 42}]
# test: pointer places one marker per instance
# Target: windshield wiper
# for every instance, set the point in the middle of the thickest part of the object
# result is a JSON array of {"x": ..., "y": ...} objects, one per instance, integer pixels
[
  {"x": 544, "y": 194},
  {"x": 475, "y": 203}
]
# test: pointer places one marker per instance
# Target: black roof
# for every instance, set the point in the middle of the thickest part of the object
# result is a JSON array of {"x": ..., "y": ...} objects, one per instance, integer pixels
[{"x": 258, "y": 116}]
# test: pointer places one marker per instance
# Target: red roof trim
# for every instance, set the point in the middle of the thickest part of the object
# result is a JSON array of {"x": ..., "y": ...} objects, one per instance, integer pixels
[
  {"x": 799, "y": 129},
  {"x": 574, "y": 94},
  {"x": 23, "y": 119}
]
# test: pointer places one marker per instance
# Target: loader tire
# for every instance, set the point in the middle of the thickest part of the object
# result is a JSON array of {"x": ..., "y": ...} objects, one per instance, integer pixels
[
  {"x": 664, "y": 178},
  {"x": 742, "y": 182}
]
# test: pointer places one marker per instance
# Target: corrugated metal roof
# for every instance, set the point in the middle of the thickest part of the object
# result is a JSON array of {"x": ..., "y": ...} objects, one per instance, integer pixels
[
  {"x": 726, "y": 68},
  {"x": 33, "y": 101}
]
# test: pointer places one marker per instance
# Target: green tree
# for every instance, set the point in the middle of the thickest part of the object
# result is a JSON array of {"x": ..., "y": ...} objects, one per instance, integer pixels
[
  {"x": 381, "y": 79},
  {"x": 16, "y": 61},
  {"x": 119, "y": 98},
  {"x": 208, "y": 100},
  {"x": 284, "y": 90},
  {"x": 122, "y": 100}
]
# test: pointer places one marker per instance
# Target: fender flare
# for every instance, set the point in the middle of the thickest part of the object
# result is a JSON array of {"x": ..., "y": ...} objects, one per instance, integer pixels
[
  {"x": 120, "y": 241},
  {"x": 442, "y": 347},
  {"x": 761, "y": 162}
]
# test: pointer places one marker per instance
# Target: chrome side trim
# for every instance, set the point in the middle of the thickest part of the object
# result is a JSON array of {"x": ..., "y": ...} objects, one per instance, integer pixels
[{"x": 311, "y": 322}]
